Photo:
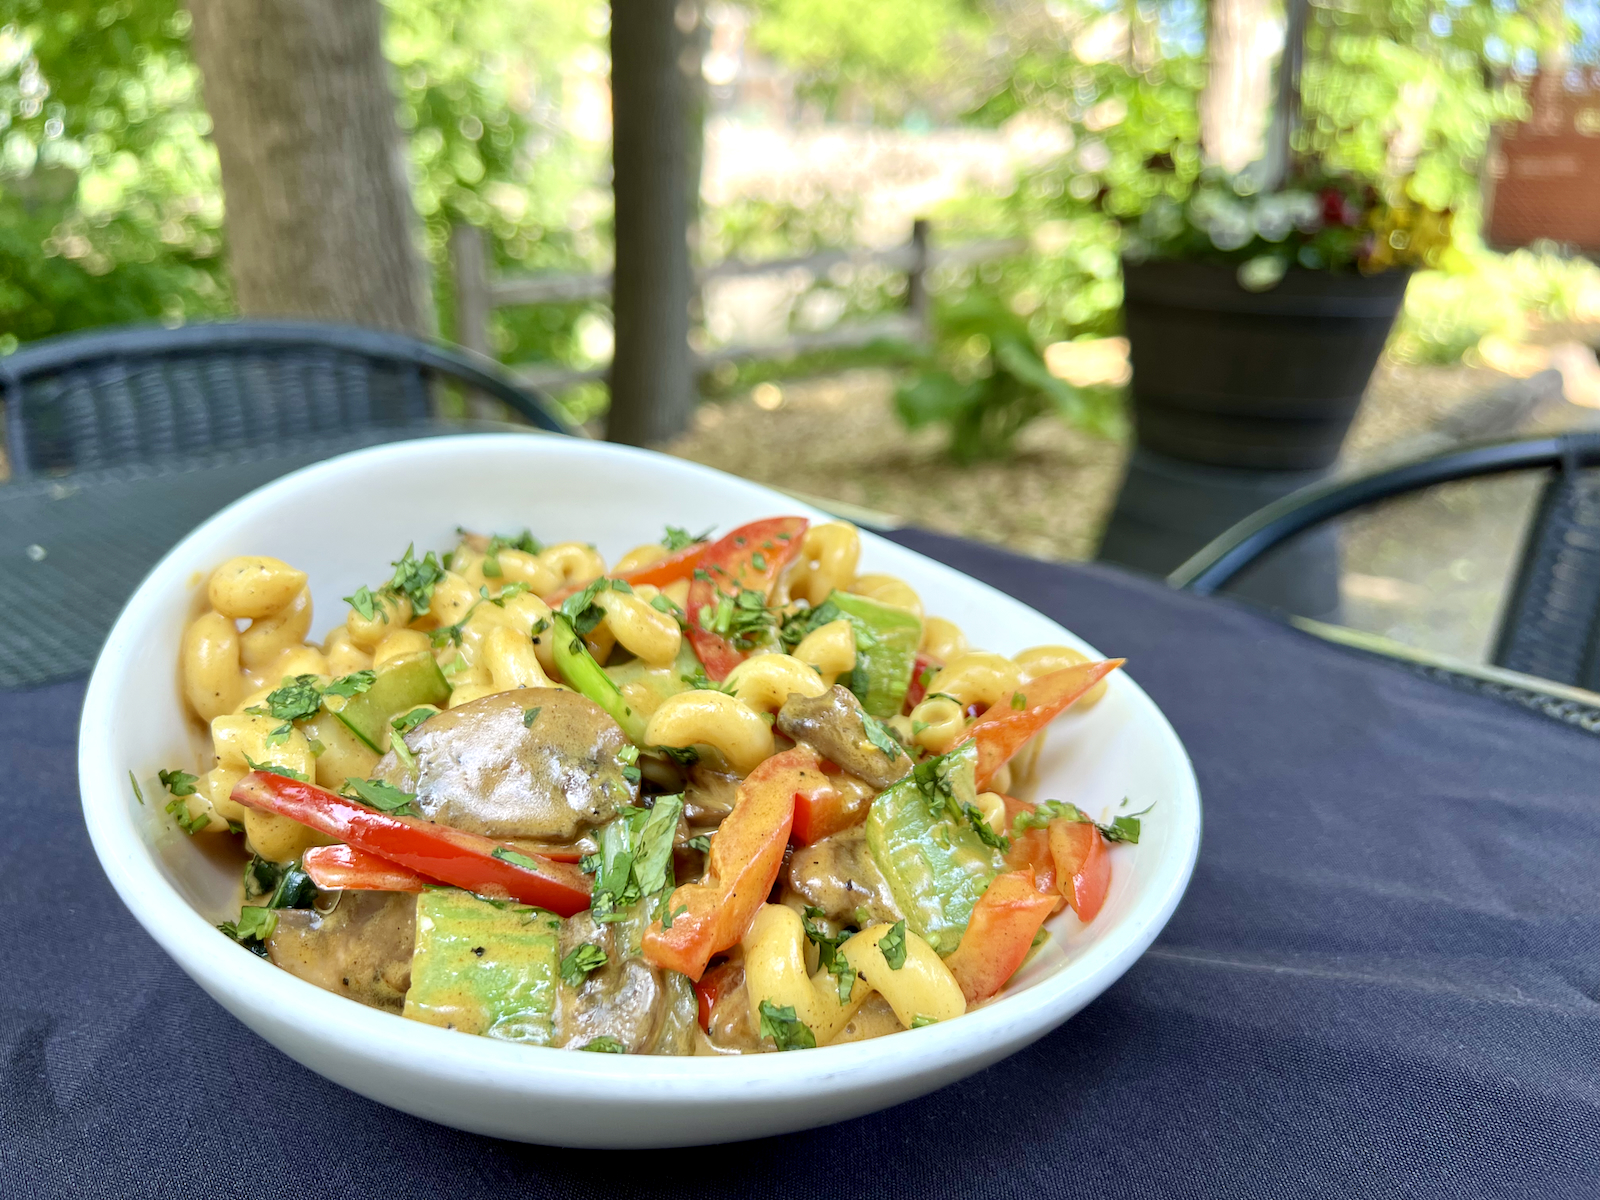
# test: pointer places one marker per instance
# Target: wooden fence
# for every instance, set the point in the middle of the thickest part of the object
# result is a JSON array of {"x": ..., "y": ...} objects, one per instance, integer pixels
[{"x": 478, "y": 294}]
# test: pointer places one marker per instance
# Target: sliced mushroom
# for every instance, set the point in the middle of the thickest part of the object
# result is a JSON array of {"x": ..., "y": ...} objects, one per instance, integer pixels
[
  {"x": 838, "y": 875},
  {"x": 540, "y": 763},
  {"x": 362, "y": 949},
  {"x": 832, "y": 724},
  {"x": 621, "y": 999}
]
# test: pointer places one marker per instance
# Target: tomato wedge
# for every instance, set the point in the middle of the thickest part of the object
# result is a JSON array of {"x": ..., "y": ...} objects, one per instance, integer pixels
[
  {"x": 1083, "y": 866},
  {"x": 1030, "y": 851},
  {"x": 712, "y": 986},
  {"x": 752, "y": 558},
  {"x": 744, "y": 860},
  {"x": 658, "y": 574},
  {"x": 451, "y": 856},
  {"x": 344, "y": 868},
  {"x": 1004, "y": 730},
  {"x": 821, "y": 814},
  {"x": 999, "y": 934},
  {"x": 918, "y": 691}
]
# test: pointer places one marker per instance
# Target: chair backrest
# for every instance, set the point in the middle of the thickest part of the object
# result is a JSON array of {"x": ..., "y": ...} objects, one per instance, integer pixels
[
  {"x": 1550, "y": 625},
  {"x": 145, "y": 393}
]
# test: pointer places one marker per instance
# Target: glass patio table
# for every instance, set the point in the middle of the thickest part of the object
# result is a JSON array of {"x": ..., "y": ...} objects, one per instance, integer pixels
[{"x": 1384, "y": 979}]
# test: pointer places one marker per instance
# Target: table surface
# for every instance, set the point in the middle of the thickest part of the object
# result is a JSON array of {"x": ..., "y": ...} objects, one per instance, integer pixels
[{"x": 1384, "y": 979}]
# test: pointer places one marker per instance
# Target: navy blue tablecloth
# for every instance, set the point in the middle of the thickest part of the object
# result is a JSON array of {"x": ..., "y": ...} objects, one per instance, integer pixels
[{"x": 1384, "y": 979}]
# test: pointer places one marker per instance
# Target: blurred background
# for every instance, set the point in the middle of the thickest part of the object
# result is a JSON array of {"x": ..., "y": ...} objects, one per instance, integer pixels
[{"x": 895, "y": 232}]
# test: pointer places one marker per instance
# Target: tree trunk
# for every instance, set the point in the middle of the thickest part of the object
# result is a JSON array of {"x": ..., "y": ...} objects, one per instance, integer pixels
[
  {"x": 1233, "y": 107},
  {"x": 318, "y": 213},
  {"x": 652, "y": 373}
]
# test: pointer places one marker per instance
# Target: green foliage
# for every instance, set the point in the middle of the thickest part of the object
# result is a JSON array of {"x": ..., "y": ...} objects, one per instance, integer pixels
[
  {"x": 991, "y": 382},
  {"x": 109, "y": 203},
  {"x": 890, "y": 54}
]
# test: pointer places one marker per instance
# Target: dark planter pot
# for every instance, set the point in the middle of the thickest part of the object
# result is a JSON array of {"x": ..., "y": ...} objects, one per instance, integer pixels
[{"x": 1269, "y": 380}]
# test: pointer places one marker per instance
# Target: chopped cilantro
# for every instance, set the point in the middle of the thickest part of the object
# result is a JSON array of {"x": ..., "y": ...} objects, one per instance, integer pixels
[
  {"x": 1121, "y": 829},
  {"x": 669, "y": 914},
  {"x": 580, "y": 607},
  {"x": 699, "y": 842},
  {"x": 364, "y": 602},
  {"x": 296, "y": 700},
  {"x": 275, "y": 769},
  {"x": 531, "y": 715},
  {"x": 252, "y": 929},
  {"x": 539, "y": 627},
  {"x": 681, "y": 539},
  {"x": 406, "y": 722},
  {"x": 137, "y": 794},
  {"x": 787, "y": 1031},
  {"x": 604, "y": 1044},
  {"x": 575, "y": 967},
  {"x": 893, "y": 945},
  {"x": 829, "y": 958},
  {"x": 917, "y": 727},
  {"x": 798, "y": 626},
  {"x": 279, "y": 736},
  {"x": 515, "y": 857},
  {"x": 661, "y": 602},
  {"x": 881, "y": 737},
  {"x": 684, "y": 756},
  {"x": 524, "y": 541},
  {"x": 382, "y": 796},
  {"x": 179, "y": 783},
  {"x": 191, "y": 824},
  {"x": 352, "y": 684},
  {"x": 983, "y": 829},
  {"x": 758, "y": 561},
  {"x": 699, "y": 680},
  {"x": 918, "y": 1021},
  {"x": 416, "y": 578},
  {"x": 635, "y": 858},
  {"x": 743, "y": 619},
  {"x": 927, "y": 675},
  {"x": 1018, "y": 701}
]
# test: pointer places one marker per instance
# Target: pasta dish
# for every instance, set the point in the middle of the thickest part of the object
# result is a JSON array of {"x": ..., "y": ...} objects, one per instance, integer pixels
[{"x": 726, "y": 795}]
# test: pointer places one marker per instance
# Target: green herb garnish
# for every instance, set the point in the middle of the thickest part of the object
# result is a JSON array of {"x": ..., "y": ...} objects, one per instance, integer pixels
[
  {"x": 893, "y": 945},
  {"x": 532, "y": 715},
  {"x": 364, "y": 602},
  {"x": 382, "y": 796},
  {"x": 252, "y": 929},
  {"x": 918, "y": 1021},
  {"x": 179, "y": 783},
  {"x": 829, "y": 958},
  {"x": 406, "y": 722},
  {"x": 416, "y": 578},
  {"x": 1121, "y": 829},
  {"x": 604, "y": 1044},
  {"x": 352, "y": 684},
  {"x": 681, "y": 539},
  {"x": 575, "y": 967},
  {"x": 881, "y": 737},
  {"x": 787, "y": 1031}
]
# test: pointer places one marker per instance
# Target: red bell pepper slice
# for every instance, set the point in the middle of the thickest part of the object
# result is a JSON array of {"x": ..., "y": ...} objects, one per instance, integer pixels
[
  {"x": 1083, "y": 866},
  {"x": 658, "y": 574},
  {"x": 712, "y": 986},
  {"x": 744, "y": 860},
  {"x": 918, "y": 691},
  {"x": 1004, "y": 730},
  {"x": 821, "y": 814},
  {"x": 999, "y": 934},
  {"x": 752, "y": 557},
  {"x": 344, "y": 868},
  {"x": 1030, "y": 851},
  {"x": 451, "y": 856}
]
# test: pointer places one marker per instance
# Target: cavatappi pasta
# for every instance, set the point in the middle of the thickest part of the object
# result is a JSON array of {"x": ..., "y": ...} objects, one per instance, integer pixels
[{"x": 724, "y": 796}]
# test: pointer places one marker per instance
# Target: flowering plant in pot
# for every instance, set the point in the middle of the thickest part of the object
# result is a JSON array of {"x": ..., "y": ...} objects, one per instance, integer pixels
[{"x": 1255, "y": 315}]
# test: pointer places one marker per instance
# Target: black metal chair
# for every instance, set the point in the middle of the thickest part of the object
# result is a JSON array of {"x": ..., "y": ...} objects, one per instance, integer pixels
[
  {"x": 1550, "y": 625},
  {"x": 148, "y": 393}
]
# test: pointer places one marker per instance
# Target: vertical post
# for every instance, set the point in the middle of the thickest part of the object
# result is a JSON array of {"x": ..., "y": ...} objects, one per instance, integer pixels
[
  {"x": 652, "y": 382},
  {"x": 919, "y": 304},
  {"x": 469, "y": 262}
]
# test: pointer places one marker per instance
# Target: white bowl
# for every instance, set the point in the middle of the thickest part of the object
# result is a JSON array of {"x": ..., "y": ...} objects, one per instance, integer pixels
[{"x": 343, "y": 521}]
